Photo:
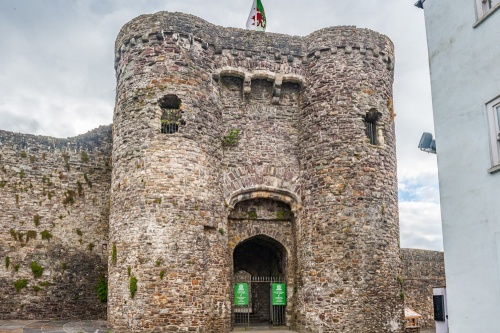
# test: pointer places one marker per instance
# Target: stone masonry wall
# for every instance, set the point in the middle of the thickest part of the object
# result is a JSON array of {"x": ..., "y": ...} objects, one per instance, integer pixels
[
  {"x": 422, "y": 271},
  {"x": 54, "y": 195}
]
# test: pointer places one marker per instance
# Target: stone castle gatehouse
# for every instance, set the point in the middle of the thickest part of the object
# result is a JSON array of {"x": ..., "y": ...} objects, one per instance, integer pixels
[
  {"x": 237, "y": 157},
  {"x": 239, "y": 152}
]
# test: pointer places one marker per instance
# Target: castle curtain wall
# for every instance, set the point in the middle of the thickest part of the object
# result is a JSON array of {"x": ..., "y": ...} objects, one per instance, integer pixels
[{"x": 54, "y": 199}]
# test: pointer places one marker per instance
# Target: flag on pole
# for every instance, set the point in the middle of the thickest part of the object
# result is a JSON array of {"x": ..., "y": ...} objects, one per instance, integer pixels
[{"x": 257, "y": 18}]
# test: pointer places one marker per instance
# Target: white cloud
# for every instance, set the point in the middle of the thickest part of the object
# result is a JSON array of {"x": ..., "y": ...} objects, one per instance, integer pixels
[{"x": 422, "y": 226}]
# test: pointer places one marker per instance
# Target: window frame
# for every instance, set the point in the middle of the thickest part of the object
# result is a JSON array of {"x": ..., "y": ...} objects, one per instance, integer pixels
[
  {"x": 483, "y": 13},
  {"x": 493, "y": 117}
]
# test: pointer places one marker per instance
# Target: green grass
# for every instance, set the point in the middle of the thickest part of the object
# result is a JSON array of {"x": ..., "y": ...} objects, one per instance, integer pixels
[
  {"x": 102, "y": 290},
  {"x": 20, "y": 284},
  {"x": 36, "y": 269},
  {"x": 46, "y": 235},
  {"x": 133, "y": 286},
  {"x": 36, "y": 219}
]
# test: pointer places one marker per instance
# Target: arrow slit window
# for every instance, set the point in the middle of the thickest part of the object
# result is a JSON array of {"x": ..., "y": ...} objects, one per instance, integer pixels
[
  {"x": 493, "y": 112},
  {"x": 372, "y": 128}
]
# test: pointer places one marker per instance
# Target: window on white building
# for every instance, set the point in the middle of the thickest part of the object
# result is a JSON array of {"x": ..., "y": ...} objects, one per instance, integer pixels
[
  {"x": 484, "y": 7},
  {"x": 493, "y": 110}
]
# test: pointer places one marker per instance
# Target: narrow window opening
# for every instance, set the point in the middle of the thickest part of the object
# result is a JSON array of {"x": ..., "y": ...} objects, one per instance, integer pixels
[
  {"x": 371, "y": 120},
  {"x": 485, "y": 7},
  {"x": 493, "y": 112},
  {"x": 172, "y": 113}
]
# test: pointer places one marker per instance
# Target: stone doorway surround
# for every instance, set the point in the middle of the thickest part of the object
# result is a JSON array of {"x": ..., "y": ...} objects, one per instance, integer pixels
[{"x": 262, "y": 248}]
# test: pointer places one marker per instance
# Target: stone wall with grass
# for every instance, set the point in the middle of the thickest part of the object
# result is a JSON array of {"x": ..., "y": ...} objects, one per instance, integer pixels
[{"x": 54, "y": 199}]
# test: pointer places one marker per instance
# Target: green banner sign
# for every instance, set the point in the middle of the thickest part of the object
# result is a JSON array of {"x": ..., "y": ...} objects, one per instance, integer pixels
[
  {"x": 241, "y": 294},
  {"x": 279, "y": 293}
]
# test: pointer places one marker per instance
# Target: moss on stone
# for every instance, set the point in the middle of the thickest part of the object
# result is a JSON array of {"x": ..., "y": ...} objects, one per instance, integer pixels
[
  {"x": 69, "y": 197},
  {"x": 252, "y": 215},
  {"x": 31, "y": 234},
  {"x": 46, "y": 235},
  {"x": 36, "y": 219},
  {"x": 80, "y": 188},
  {"x": 36, "y": 269},
  {"x": 113, "y": 253},
  {"x": 87, "y": 180},
  {"x": 133, "y": 286},
  {"x": 66, "y": 161},
  {"x": 102, "y": 289},
  {"x": 84, "y": 157},
  {"x": 13, "y": 234},
  {"x": 20, "y": 284}
]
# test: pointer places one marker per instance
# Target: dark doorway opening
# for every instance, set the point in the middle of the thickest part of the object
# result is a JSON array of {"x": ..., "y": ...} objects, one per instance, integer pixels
[
  {"x": 259, "y": 261},
  {"x": 260, "y": 256}
]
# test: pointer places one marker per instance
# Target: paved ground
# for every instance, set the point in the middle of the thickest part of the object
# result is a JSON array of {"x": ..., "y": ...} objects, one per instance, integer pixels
[
  {"x": 46, "y": 326},
  {"x": 88, "y": 326}
]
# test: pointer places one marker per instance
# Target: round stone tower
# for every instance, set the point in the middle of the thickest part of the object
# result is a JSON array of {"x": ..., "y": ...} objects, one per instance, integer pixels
[
  {"x": 258, "y": 158},
  {"x": 348, "y": 239},
  {"x": 168, "y": 266}
]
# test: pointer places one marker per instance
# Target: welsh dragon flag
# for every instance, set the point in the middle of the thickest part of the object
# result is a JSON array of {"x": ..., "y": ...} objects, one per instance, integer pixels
[{"x": 257, "y": 18}]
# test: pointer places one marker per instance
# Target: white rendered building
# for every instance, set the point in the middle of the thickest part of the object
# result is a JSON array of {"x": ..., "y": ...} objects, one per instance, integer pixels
[{"x": 463, "y": 39}]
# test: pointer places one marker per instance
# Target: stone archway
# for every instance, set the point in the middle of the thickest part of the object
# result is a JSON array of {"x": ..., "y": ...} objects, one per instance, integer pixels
[
  {"x": 260, "y": 262},
  {"x": 260, "y": 256},
  {"x": 262, "y": 247}
]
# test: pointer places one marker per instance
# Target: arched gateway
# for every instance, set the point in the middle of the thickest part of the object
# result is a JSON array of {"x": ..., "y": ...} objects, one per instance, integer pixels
[{"x": 262, "y": 242}]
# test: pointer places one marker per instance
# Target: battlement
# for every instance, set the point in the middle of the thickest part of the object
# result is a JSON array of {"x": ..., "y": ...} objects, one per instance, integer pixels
[{"x": 250, "y": 49}]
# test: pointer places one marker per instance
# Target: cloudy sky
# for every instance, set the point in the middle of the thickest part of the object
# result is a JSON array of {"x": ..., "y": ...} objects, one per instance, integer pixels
[{"x": 57, "y": 77}]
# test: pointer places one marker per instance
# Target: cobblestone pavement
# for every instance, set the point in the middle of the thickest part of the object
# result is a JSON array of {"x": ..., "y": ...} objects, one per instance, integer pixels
[{"x": 48, "y": 326}]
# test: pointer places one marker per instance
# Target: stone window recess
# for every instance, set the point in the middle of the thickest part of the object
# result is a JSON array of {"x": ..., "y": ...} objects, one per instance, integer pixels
[
  {"x": 374, "y": 130},
  {"x": 484, "y": 7},
  {"x": 493, "y": 111},
  {"x": 171, "y": 117}
]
